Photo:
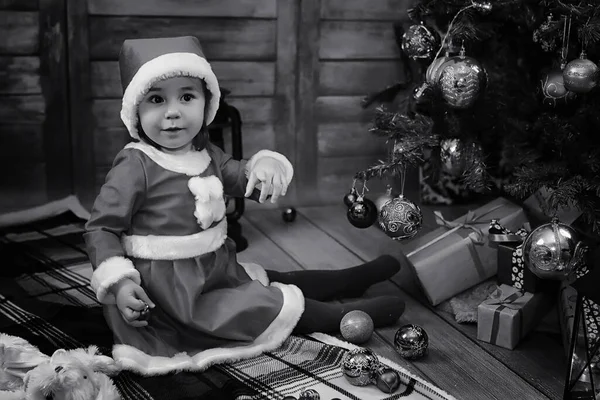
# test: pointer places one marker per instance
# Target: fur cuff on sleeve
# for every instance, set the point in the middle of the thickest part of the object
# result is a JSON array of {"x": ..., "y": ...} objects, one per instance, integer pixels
[
  {"x": 110, "y": 272},
  {"x": 289, "y": 170}
]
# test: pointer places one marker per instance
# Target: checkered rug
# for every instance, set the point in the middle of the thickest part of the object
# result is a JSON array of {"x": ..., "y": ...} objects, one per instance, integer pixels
[{"x": 48, "y": 301}]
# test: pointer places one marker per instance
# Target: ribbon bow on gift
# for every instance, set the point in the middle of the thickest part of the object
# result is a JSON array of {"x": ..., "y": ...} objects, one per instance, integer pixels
[
  {"x": 512, "y": 301},
  {"x": 469, "y": 223},
  {"x": 499, "y": 234}
]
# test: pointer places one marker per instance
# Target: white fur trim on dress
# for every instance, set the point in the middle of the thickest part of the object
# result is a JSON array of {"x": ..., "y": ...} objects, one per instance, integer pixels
[
  {"x": 110, "y": 272},
  {"x": 163, "y": 67},
  {"x": 289, "y": 169},
  {"x": 191, "y": 163},
  {"x": 256, "y": 273},
  {"x": 153, "y": 247},
  {"x": 210, "y": 205},
  {"x": 130, "y": 358}
]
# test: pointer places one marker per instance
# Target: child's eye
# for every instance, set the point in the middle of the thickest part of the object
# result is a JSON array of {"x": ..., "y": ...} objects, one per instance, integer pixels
[
  {"x": 188, "y": 97},
  {"x": 155, "y": 99}
]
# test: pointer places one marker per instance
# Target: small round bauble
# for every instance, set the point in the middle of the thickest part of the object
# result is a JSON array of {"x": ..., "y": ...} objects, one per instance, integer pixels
[
  {"x": 580, "y": 75},
  {"x": 400, "y": 218},
  {"x": 363, "y": 213},
  {"x": 289, "y": 214},
  {"x": 553, "y": 90},
  {"x": 451, "y": 155},
  {"x": 309, "y": 394},
  {"x": 350, "y": 197},
  {"x": 420, "y": 42},
  {"x": 552, "y": 250},
  {"x": 359, "y": 366},
  {"x": 356, "y": 327},
  {"x": 411, "y": 341},
  {"x": 387, "y": 379},
  {"x": 462, "y": 81}
]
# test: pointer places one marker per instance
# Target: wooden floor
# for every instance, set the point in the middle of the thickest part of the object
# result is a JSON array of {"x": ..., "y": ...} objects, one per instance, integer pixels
[{"x": 321, "y": 237}]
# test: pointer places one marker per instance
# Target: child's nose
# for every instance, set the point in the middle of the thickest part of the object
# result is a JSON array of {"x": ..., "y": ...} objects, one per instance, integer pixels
[{"x": 172, "y": 112}]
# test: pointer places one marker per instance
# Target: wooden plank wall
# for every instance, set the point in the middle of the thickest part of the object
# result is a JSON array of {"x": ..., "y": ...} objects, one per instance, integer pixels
[{"x": 34, "y": 130}]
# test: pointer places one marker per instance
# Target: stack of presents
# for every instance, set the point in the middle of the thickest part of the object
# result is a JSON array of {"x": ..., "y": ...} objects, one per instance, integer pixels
[{"x": 485, "y": 246}]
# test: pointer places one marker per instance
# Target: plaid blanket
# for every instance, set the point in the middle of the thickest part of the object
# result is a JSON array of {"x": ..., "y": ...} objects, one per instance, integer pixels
[{"x": 49, "y": 303}]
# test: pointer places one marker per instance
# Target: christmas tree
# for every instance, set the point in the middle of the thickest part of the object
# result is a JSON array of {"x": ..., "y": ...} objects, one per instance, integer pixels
[{"x": 502, "y": 91}]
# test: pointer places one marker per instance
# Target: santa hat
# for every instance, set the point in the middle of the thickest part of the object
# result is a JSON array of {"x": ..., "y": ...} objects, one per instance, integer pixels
[{"x": 143, "y": 62}]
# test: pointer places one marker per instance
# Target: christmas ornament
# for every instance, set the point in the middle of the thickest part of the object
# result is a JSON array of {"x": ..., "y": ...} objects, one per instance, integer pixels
[
  {"x": 420, "y": 42},
  {"x": 432, "y": 76},
  {"x": 553, "y": 90},
  {"x": 309, "y": 394},
  {"x": 400, "y": 218},
  {"x": 356, "y": 327},
  {"x": 145, "y": 313},
  {"x": 289, "y": 214},
  {"x": 580, "y": 75},
  {"x": 350, "y": 197},
  {"x": 553, "y": 250},
  {"x": 451, "y": 156},
  {"x": 411, "y": 341},
  {"x": 540, "y": 35},
  {"x": 484, "y": 7},
  {"x": 422, "y": 93},
  {"x": 363, "y": 213},
  {"x": 462, "y": 80},
  {"x": 386, "y": 379},
  {"x": 384, "y": 198},
  {"x": 359, "y": 366}
]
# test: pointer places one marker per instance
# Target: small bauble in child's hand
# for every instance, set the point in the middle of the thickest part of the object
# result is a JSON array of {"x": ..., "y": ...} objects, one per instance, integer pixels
[
  {"x": 357, "y": 327},
  {"x": 145, "y": 313}
]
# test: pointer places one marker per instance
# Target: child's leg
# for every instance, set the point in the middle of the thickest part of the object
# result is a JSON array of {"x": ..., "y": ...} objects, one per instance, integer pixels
[
  {"x": 343, "y": 283},
  {"x": 326, "y": 317}
]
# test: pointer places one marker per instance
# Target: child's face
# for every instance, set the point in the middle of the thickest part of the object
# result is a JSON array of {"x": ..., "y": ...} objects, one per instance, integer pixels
[{"x": 172, "y": 113}]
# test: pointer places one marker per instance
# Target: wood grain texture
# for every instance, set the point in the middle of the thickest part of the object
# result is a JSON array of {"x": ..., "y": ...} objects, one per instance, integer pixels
[
  {"x": 352, "y": 78},
  {"x": 19, "y": 32},
  {"x": 82, "y": 124},
  {"x": 20, "y": 143},
  {"x": 390, "y": 10},
  {"x": 19, "y": 5},
  {"x": 357, "y": 40},
  {"x": 20, "y": 75},
  {"x": 342, "y": 109},
  {"x": 22, "y": 109},
  {"x": 221, "y": 38},
  {"x": 54, "y": 79},
  {"x": 185, "y": 8},
  {"x": 242, "y": 78},
  {"x": 347, "y": 139}
]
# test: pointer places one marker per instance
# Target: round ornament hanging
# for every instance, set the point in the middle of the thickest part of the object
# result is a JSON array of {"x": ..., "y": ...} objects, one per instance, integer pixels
[
  {"x": 350, "y": 197},
  {"x": 400, "y": 218},
  {"x": 359, "y": 366},
  {"x": 362, "y": 213},
  {"x": 553, "y": 250},
  {"x": 581, "y": 75},
  {"x": 434, "y": 70},
  {"x": 462, "y": 80},
  {"x": 420, "y": 42},
  {"x": 553, "y": 91}
]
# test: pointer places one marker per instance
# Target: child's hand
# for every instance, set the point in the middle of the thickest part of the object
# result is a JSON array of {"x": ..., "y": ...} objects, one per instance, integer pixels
[
  {"x": 131, "y": 301},
  {"x": 270, "y": 173}
]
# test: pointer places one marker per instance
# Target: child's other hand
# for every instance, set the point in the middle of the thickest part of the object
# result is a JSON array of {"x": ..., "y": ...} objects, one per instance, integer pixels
[
  {"x": 131, "y": 301},
  {"x": 270, "y": 173}
]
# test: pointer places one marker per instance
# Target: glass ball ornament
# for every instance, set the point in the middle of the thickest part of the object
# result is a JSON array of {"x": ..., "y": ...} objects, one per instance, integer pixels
[
  {"x": 289, "y": 214},
  {"x": 462, "y": 80},
  {"x": 387, "y": 379},
  {"x": 350, "y": 197},
  {"x": 580, "y": 75},
  {"x": 359, "y": 366},
  {"x": 357, "y": 327},
  {"x": 420, "y": 42},
  {"x": 363, "y": 213},
  {"x": 309, "y": 394},
  {"x": 553, "y": 250},
  {"x": 411, "y": 341},
  {"x": 400, "y": 218},
  {"x": 553, "y": 91}
]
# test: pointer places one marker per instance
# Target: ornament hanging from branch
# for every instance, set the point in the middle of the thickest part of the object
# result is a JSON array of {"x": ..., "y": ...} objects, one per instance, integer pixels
[{"x": 420, "y": 42}]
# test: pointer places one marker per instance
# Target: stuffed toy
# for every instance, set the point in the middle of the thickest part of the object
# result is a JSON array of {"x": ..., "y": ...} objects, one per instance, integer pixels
[
  {"x": 80, "y": 374},
  {"x": 17, "y": 358}
]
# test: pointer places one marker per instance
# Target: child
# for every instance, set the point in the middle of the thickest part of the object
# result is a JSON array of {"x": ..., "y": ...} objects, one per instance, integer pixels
[{"x": 174, "y": 294}]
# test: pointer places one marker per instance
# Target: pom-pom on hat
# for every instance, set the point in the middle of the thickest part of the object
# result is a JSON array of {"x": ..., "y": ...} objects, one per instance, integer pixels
[{"x": 143, "y": 62}]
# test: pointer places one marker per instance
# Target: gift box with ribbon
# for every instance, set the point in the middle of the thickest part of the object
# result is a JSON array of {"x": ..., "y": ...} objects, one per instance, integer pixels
[
  {"x": 511, "y": 266},
  {"x": 458, "y": 255},
  {"x": 509, "y": 314}
]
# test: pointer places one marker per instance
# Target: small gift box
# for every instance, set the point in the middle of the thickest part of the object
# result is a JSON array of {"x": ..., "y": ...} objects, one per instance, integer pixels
[
  {"x": 509, "y": 314},
  {"x": 511, "y": 266},
  {"x": 458, "y": 255}
]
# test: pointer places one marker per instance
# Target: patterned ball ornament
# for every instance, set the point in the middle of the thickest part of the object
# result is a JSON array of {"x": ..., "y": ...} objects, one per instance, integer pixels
[
  {"x": 356, "y": 327},
  {"x": 553, "y": 250},
  {"x": 309, "y": 394},
  {"x": 386, "y": 379},
  {"x": 359, "y": 366},
  {"x": 363, "y": 213},
  {"x": 553, "y": 90},
  {"x": 400, "y": 218},
  {"x": 581, "y": 75},
  {"x": 462, "y": 80},
  {"x": 420, "y": 42},
  {"x": 411, "y": 341},
  {"x": 432, "y": 76}
]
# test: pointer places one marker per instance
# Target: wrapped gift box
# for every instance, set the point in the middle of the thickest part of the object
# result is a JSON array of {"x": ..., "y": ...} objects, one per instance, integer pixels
[
  {"x": 566, "y": 313},
  {"x": 510, "y": 314},
  {"x": 512, "y": 271},
  {"x": 457, "y": 255}
]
